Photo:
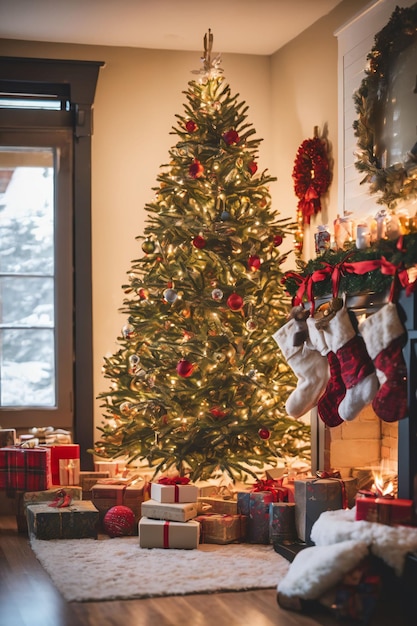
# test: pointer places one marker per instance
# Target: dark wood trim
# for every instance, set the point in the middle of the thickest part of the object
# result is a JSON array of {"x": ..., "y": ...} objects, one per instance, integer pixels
[{"x": 80, "y": 80}]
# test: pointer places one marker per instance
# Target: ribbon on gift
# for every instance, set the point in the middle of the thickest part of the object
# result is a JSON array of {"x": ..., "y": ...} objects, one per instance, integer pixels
[
  {"x": 174, "y": 481},
  {"x": 275, "y": 487},
  {"x": 166, "y": 534},
  {"x": 335, "y": 475},
  {"x": 61, "y": 500}
]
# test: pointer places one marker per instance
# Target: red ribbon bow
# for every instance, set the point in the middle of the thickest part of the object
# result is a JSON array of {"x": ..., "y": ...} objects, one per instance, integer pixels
[
  {"x": 335, "y": 475},
  {"x": 274, "y": 487},
  {"x": 174, "y": 480}
]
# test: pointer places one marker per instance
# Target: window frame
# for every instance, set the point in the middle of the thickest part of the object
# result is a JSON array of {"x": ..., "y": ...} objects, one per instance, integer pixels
[{"x": 77, "y": 80}]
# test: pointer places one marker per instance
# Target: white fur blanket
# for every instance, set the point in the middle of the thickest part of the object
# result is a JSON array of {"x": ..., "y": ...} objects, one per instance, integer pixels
[{"x": 341, "y": 542}]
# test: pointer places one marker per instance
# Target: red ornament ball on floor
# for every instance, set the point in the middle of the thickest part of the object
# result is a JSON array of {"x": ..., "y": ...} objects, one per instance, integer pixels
[{"x": 119, "y": 521}]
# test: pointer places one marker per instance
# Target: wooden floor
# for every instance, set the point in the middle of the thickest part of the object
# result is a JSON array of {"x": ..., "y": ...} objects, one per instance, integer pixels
[{"x": 28, "y": 598}]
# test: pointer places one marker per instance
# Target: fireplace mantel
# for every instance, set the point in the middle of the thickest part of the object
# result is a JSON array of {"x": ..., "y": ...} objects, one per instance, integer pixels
[{"x": 407, "y": 428}]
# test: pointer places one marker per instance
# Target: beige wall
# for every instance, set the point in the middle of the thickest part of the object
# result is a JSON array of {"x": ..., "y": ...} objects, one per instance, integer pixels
[
  {"x": 138, "y": 94},
  {"x": 304, "y": 95}
]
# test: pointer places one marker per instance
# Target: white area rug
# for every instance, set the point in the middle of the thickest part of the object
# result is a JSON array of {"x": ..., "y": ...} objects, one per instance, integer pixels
[{"x": 114, "y": 569}]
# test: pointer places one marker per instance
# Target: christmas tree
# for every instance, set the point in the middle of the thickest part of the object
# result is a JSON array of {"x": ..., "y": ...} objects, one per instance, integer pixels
[{"x": 198, "y": 383}]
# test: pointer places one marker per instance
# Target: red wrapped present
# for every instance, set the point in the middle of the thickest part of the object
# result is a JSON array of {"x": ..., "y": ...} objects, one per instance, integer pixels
[
  {"x": 62, "y": 451},
  {"x": 388, "y": 511},
  {"x": 25, "y": 469}
]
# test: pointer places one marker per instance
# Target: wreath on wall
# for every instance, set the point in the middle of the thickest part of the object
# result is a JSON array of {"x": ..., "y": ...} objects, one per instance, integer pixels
[
  {"x": 312, "y": 177},
  {"x": 398, "y": 181}
]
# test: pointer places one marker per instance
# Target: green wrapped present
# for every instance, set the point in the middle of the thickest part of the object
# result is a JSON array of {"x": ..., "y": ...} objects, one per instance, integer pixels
[{"x": 77, "y": 521}]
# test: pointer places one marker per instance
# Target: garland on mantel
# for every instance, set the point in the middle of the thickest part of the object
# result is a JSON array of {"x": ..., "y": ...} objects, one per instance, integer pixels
[{"x": 352, "y": 271}]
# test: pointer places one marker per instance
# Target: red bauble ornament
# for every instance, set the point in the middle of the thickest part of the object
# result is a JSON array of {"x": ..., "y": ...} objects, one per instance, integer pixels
[
  {"x": 217, "y": 412},
  {"x": 199, "y": 242},
  {"x": 254, "y": 263},
  {"x": 231, "y": 136},
  {"x": 191, "y": 126},
  {"x": 235, "y": 302},
  {"x": 185, "y": 368},
  {"x": 119, "y": 521},
  {"x": 278, "y": 239},
  {"x": 264, "y": 433},
  {"x": 196, "y": 169},
  {"x": 252, "y": 167}
]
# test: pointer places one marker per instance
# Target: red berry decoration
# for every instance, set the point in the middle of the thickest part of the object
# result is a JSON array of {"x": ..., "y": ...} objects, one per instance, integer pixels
[
  {"x": 264, "y": 433},
  {"x": 254, "y": 263},
  {"x": 199, "y": 242},
  {"x": 185, "y": 368},
  {"x": 196, "y": 169},
  {"x": 235, "y": 302},
  {"x": 278, "y": 239},
  {"x": 252, "y": 167},
  {"x": 231, "y": 136},
  {"x": 217, "y": 412},
  {"x": 119, "y": 521},
  {"x": 191, "y": 126}
]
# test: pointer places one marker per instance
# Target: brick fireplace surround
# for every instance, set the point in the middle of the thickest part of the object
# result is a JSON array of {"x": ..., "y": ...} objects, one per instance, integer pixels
[{"x": 367, "y": 441}]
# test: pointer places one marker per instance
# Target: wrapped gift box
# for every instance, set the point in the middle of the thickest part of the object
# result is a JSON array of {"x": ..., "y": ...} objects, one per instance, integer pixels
[
  {"x": 77, "y": 521},
  {"x": 62, "y": 451},
  {"x": 49, "y": 495},
  {"x": 173, "y": 511},
  {"x": 282, "y": 522},
  {"x": 105, "y": 496},
  {"x": 217, "y": 504},
  {"x": 174, "y": 493},
  {"x": 88, "y": 480},
  {"x": 155, "y": 533},
  {"x": 25, "y": 469},
  {"x": 37, "y": 497},
  {"x": 112, "y": 467},
  {"x": 222, "y": 529},
  {"x": 7, "y": 437},
  {"x": 313, "y": 496},
  {"x": 388, "y": 511},
  {"x": 255, "y": 506}
]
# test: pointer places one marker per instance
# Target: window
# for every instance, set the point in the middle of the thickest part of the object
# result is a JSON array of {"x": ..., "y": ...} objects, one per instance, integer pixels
[{"x": 45, "y": 245}]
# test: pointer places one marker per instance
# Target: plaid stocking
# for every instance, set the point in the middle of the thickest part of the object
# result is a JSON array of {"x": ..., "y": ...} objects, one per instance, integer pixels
[
  {"x": 335, "y": 391},
  {"x": 385, "y": 337},
  {"x": 356, "y": 368}
]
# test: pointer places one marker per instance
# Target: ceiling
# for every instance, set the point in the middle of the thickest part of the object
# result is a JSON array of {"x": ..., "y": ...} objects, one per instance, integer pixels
[{"x": 239, "y": 26}]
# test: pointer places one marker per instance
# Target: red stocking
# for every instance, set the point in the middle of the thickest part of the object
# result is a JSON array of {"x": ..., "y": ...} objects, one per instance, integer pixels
[{"x": 335, "y": 392}]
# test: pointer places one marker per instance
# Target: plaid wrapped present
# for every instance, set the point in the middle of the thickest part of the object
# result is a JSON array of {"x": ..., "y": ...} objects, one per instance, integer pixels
[{"x": 25, "y": 469}]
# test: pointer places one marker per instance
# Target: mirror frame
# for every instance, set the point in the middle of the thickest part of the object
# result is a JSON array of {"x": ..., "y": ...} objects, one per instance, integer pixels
[{"x": 398, "y": 181}]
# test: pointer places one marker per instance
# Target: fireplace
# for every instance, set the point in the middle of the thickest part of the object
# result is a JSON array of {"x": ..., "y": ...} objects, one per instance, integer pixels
[{"x": 367, "y": 441}]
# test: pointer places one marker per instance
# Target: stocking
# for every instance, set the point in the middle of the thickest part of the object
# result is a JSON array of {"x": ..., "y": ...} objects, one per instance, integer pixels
[
  {"x": 308, "y": 365},
  {"x": 335, "y": 390},
  {"x": 356, "y": 368},
  {"x": 385, "y": 337}
]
